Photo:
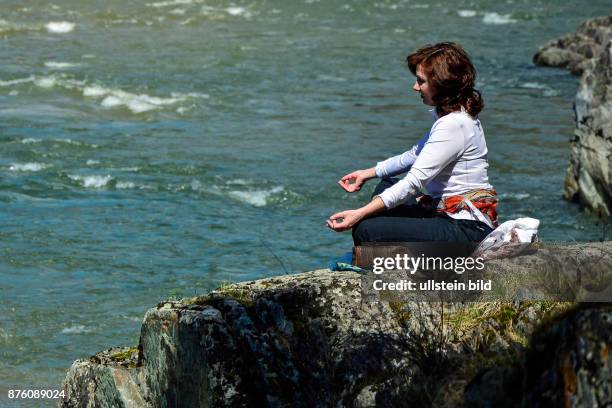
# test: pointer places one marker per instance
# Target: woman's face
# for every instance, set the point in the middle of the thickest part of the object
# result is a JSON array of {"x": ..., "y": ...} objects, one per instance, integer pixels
[{"x": 421, "y": 85}]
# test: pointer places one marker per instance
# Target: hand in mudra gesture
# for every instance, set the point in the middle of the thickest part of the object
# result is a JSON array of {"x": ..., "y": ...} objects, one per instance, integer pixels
[
  {"x": 355, "y": 180},
  {"x": 344, "y": 220}
]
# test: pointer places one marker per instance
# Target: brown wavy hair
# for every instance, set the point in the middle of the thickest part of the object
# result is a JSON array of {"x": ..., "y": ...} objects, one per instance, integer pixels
[{"x": 451, "y": 75}]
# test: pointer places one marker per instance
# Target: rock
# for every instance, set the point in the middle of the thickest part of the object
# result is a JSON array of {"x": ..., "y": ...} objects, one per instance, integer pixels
[
  {"x": 313, "y": 340},
  {"x": 573, "y": 51},
  {"x": 108, "y": 379},
  {"x": 553, "y": 56},
  {"x": 588, "y": 178},
  {"x": 568, "y": 364},
  {"x": 301, "y": 340},
  {"x": 589, "y": 175}
]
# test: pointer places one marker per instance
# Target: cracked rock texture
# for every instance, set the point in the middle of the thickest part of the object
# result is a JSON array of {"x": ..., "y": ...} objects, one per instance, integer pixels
[
  {"x": 589, "y": 176},
  {"x": 297, "y": 340},
  {"x": 312, "y": 340}
]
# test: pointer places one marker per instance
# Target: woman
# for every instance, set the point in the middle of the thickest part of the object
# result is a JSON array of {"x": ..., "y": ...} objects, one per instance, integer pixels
[{"x": 450, "y": 162}]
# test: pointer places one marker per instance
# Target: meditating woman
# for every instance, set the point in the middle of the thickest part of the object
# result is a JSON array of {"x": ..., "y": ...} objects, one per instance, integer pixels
[{"x": 450, "y": 162}]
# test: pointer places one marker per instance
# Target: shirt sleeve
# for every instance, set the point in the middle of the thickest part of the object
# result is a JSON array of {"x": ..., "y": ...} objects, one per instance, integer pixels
[
  {"x": 444, "y": 145},
  {"x": 400, "y": 163}
]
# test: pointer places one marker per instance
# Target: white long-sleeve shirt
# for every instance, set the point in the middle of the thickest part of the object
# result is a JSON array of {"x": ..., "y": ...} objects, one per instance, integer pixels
[{"x": 451, "y": 159}]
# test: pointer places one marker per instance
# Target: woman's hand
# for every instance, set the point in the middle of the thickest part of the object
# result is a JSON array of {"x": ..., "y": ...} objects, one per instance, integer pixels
[
  {"x": 345, "y": 220},
  {"x": 353, "y": 181}
]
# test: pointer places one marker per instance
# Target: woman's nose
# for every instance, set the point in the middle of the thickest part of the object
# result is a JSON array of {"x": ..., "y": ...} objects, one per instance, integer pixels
[{"x": 416, "y": 87}]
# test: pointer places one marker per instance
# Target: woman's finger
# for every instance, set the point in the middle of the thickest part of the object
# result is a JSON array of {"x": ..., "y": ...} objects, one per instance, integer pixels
[
  {"x": 338, "y": 226},
  {"x": 341, "y": 221},
  {"x": 350, "y": 175},
  {"x": 337, "y": 215},
  {"x": 345, "y": 182},
  {"x": 349, "y": 187}
]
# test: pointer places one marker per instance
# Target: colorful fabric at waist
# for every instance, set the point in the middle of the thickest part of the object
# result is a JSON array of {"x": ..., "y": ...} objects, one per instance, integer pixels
[{"x": 484, "y": 200}]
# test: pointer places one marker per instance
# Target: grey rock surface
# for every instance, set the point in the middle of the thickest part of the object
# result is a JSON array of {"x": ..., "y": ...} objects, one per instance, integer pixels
[
  {"x": 573, "y": 51},
  {"x": 301, "y": 340},
  {"x": 109, "y": 379},
  {"x": 588, "y": 178},
  {"x": 589, "y": 175},
  {"x": 311, "y": 339}
]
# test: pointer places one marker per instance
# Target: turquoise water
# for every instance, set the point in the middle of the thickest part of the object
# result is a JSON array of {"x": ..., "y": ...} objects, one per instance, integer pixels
[{"x": 150, "y": 150}]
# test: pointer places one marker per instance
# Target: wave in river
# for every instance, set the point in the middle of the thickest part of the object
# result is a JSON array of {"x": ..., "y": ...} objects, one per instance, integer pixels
[
  {"x": 488, "y": 17},
  {"x": 248, "y": 192},
  {"x": 91, "y": 181},
  {"x": 61, "y": 65},
  {"x": 108, "y": 97},
  {"x": 27, "y": 166},
  {"x": 494, "y": 18},
  {"x": 60, "y": 27},
  {"x": 76, "y": 329},
  {"x": 53, "y": 27}
]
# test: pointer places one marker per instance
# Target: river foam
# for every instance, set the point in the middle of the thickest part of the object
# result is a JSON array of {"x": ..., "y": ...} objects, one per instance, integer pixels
[
  {"x": 76, "y": 329},
  {"x": 498, "y": 19},
  {"x": 109, "y": 97},
  {"x": 27, "y": 166},
  {"x": 61, "y": 65},
  {"x": 91, "y": 181},
  {"x": 60, "y": 27},
  {"x": 246, "y": 192},
  {"x": 546, "y": 90},
  {"x": 160, "y": 4},
  {"x": 257, "y": 198},
  {"x": 466, "y": 13}
]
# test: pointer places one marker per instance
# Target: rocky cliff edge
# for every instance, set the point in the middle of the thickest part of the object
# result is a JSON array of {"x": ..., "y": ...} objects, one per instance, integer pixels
[{"x": 311, "y": 340}]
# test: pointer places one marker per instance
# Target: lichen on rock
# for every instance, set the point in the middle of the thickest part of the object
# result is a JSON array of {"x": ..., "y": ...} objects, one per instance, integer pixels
[{"x": 313, "y": 340}]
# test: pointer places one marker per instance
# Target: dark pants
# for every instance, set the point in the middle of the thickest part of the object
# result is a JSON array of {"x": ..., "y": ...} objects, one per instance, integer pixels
[{"x": 411, "y": 223}]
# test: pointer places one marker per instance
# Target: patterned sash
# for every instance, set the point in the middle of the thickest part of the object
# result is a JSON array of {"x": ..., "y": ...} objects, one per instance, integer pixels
[{"x": 484, "y": 200}]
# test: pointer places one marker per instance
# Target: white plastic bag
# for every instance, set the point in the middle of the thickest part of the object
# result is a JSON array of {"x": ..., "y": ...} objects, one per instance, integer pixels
[{"x": 509, "y": 239}]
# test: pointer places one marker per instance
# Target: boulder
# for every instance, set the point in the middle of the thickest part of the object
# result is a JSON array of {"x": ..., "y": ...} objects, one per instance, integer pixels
[
  {"x": 300, "y": 340},
  {"x": 313, "y": 339},
  {"x": 573, "y": 51},
  {"x": 588, "y": 178}
]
